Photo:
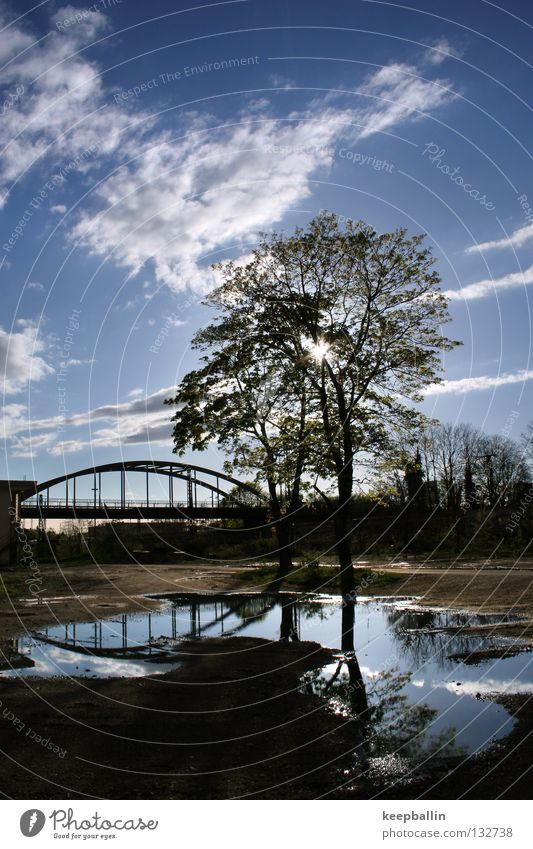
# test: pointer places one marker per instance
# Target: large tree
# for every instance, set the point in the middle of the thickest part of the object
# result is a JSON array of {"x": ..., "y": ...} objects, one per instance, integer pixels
[{"x": 347, "y": 324}]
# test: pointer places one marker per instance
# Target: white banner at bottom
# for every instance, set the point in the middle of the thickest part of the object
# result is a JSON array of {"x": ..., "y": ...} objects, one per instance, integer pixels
[{"x": 258, "y": 824}]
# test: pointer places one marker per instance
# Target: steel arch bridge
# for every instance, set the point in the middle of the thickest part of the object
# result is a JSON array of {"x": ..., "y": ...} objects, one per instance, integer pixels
[{"x": 221, "y": 496}]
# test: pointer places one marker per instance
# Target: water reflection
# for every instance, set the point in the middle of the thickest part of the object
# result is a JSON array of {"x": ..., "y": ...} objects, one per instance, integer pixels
[{"x": 393, "y": 677}]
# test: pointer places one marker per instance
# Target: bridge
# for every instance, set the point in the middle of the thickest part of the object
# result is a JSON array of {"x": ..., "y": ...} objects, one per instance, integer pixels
[
  {"x": 189, "y": 492},
  {"x": 206, "y": 494}
]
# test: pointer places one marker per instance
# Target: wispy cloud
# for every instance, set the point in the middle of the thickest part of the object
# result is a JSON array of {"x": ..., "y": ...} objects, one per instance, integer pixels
[
  {"x": 30, "y": 446},
  {"x": 146, "y": 420},
  {"x": 488, "y": 287},
  {"x": 515, "y": 240},
  {"x": 477, "y": 384},
  {"x": 151, "y": 429},
  {"x": 139, "y": 420}
]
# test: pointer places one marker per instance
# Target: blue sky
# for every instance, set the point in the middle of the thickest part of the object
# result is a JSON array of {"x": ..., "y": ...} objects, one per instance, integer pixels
[{"x": 141, "y": 142}]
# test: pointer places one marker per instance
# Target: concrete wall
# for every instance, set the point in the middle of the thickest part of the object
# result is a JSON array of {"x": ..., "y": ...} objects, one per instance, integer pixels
[{"x": 8, "y": 498}]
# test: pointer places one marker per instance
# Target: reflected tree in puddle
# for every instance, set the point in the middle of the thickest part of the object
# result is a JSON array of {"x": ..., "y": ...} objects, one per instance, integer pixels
[
  {"x": 294, "y": 609},
  {"x": 345, "y": 688},
  {"x": 435, "y": 635},
  {"x": 289, "y": 629},
  {"x": 402, "y": 728},
  {"x": 384, "y": 709},
  {"x": 392, "y": 737}
]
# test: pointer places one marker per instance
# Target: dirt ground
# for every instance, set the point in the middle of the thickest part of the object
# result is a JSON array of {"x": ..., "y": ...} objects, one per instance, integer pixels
[
  {"x": 197, "y": 732},
  {"x": 80, "y": 592},
  {"x": 230, "y": 721},
  {"x": 193, "y": 733}
]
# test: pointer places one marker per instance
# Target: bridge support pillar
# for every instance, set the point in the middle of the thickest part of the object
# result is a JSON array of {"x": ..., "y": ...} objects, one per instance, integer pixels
[{"x": 10, "y": 518}]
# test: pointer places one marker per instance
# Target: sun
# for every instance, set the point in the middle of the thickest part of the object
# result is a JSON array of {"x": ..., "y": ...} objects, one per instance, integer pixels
[{"x": 319, "y": 350}]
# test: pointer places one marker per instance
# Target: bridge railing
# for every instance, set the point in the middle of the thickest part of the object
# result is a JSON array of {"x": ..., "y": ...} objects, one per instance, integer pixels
[{"x": 117, "y": 504}]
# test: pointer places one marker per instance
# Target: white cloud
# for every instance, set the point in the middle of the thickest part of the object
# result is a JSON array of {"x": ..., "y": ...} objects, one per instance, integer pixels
[
  {"x": 440, "y": 51},
  {"x": 151, "y": 429},
  {"x": 61, "y": 108},
  {"x": 515, "y": 240},
  {"x": 14, "y": 417},
  {"x": 488, "y": 287},
  {"x": 487, "y": 685},
  {"x": 128, "y": 409},
  {"x": 91, "y": 22},
  {"x": 20, "y": 358},
  {"x": 37, "y": 286},
  {"x": 183, "y": 199},
  {"x": 280, "y": 81},
  {"x": 29, "y": 446},
  {"x": 68, "y": 446},
  {"x": 477, "y": 384},
  {"x": 60, "y": 208}
]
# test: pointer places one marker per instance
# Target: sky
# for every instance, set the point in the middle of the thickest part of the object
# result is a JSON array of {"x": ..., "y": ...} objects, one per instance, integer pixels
[{"x": 143, "y": 142}]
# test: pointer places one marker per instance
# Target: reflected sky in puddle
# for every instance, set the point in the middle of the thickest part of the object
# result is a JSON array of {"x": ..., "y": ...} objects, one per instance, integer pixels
[
  {"x": 402, "y": 651},
  {"x": 52, "y": 661}
]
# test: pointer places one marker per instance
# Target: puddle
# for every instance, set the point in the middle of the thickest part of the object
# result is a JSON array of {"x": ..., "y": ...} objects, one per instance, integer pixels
[{"x": 418, "y": 698}]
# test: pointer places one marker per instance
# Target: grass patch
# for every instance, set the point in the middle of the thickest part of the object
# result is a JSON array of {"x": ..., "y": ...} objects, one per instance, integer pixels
[{"x": 12, "y": 584}]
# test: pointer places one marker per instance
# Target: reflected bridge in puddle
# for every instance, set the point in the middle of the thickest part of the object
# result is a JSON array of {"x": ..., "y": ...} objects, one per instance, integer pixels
[{"x": 394, "y": 670}]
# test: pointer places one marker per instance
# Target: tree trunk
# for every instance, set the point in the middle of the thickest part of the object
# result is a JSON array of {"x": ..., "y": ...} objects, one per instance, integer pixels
[
  {"x": 284, "y": 538},
  {"x": 344, "y": 551},
  {"x": 283, "y": 529}
]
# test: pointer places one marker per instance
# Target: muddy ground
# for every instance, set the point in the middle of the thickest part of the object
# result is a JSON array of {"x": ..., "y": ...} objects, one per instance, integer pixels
[{"x": 230, "y": 721}]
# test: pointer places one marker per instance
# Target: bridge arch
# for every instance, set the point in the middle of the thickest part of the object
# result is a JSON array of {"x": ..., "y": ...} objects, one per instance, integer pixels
[{"x": 217, "y": 484}]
